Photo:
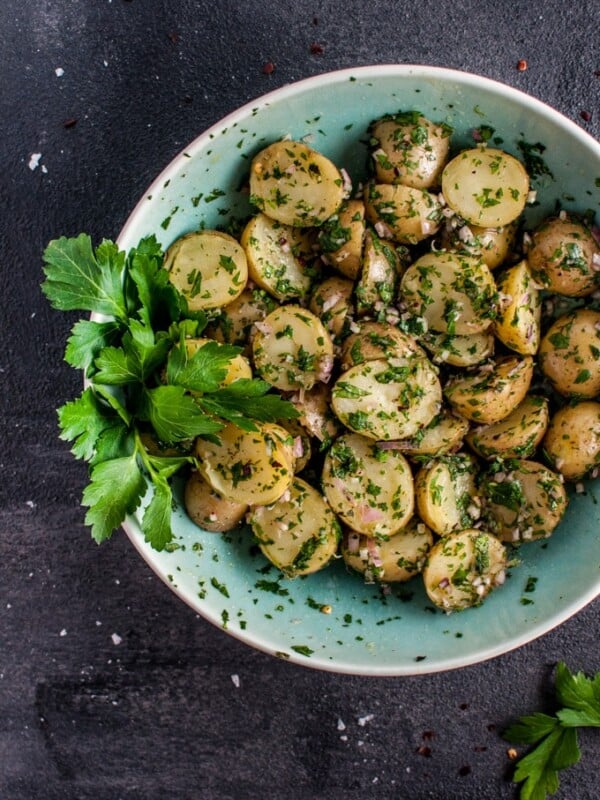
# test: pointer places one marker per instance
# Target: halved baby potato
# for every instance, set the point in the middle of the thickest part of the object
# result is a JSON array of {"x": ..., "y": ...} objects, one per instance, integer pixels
[
  {"x": 316, "y": 416},
  {"x": 248, "y": 467},
  {"x": 458, "y": 351},
  {"x": 454, "y": 293},
  {"x": 292, "y": 349},
  {"x": 402, "y": 213},
  {"x": 280, "y": 257},
  {"x": 375, "y": 340},
  {"x": 393, "y": 560},
  {"x": 209, "y": 509},
  {"x": 387, "y": 398},
  {"x": 376, "y": 286},
  {"x": 234, "y": 323},
  {"x": 294, "y": 184},
  {"x": 331, "y": 301},
  {"x": 517, "y": 435},
  {"x": 444, "y": 434},
  {"x": 369, "y": 488},
  {"x": 493, "y": 391},
  {"x": 409, "y": 149},
  {"x": 447, "y": 495},
  {"x": 463, "y": 568},
  {"x": 301, "y": 443},
  {"x": 523, "y": 500},
  {"x": 341, "y": 238},
  {"x": 486, "y": 186},
  {"x": 517, "y": 324},
  {"x": 209, "y": 268},
  {"x": 570, "y": 354},
  {"x": 298, "y": 533},
  {"x": 492, "y": 245}
]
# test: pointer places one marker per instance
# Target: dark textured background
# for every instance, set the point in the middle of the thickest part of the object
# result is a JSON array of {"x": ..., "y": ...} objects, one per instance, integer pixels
[{"x": 158, "y": 715}]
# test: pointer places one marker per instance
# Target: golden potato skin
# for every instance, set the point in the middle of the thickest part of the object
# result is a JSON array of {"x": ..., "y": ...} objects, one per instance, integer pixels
[
  {"x": 570, "y": 354},
  {"x": 208, "y": 509},
  {"x": 563, "y": 257},
  {"x": 489, "y": 396},
  {"x": 572, "y": 441}
]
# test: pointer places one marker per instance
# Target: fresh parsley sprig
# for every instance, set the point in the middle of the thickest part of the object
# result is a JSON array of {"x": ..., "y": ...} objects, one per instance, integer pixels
[
  {"x": 146, "y": 397},
  {"x": 555, "y": 736}
]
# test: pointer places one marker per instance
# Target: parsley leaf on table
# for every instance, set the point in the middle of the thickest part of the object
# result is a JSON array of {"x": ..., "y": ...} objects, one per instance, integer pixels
[
  {"x": 555, "y": 737},
  {"x": 580, "y": 696},
  {"x": 144, "y": 390}
]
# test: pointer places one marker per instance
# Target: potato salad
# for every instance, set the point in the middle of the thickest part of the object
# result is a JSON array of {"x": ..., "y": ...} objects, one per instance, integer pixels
[{"x": 443, "y": 360}]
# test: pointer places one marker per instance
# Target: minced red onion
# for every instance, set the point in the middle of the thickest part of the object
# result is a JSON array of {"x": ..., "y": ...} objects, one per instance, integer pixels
[
  {"x": 325, "y": 366},
  {"x": 263, "y": 327},
  {"x": 374, "y": 552}
]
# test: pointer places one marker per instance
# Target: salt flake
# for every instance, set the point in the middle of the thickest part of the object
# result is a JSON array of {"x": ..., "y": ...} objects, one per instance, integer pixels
[
  {"x": 63, "y": 632},
  {"x": 116, "y": 639},
  {"x": 341, "y": 725},
  {"x": 59, "y": 72},
  {"x": 34, "y": 161},
  {"x": 236, "y": 681},
  {"x": 362, "y": 721}
]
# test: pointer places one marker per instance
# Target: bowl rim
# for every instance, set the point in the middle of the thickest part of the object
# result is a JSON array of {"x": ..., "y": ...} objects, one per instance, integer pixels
[{"x": 286, "y": 91}]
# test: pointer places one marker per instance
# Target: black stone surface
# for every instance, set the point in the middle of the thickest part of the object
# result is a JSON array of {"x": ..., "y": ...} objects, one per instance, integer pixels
[{"x": 159, "y": 715}]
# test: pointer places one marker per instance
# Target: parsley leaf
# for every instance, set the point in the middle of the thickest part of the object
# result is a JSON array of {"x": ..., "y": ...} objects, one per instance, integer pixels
[
  {"x": 203, "y": 371},
  {"x": 555, "y": 737},
  {"x": 175, "y": 415},
  {"x": 156, "y": 522},
  {"x": 87, "y": 339},
  {"x": 115, "y": 490},
  {"x": 78, "y": 280},
  {"x": 82, "y": 421},
  {"x": 539, "y": 769},
  {"x": 140, "y": 376},
  {"x": 258, "y": 405},
  {"x": 580, "y": 695}
]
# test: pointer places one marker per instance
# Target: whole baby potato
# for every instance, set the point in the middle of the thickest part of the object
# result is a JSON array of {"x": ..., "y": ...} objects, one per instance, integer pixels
[
  {"x": 572, "y": 441},
  {"x": 208, "y": 508},
  {"x": 564, "y": 257},
  {"x": 570, "y": 354}
]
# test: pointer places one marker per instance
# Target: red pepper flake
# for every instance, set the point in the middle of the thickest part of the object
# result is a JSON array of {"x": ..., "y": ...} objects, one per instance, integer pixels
[
  {"x": 585, "y": 115},
  {"x": 521, "y": 65},
  {"x": 464, "y": 771},
  {"x": 70, "y": 123},
  {"x": 316, "y": 49},
  {"x": 491, "y": 727},
  {"x": 187, "y": 99},
  {"x": 428, "y": 735},
  {"x": 479, "y": 748},
  {"x": 315, "y": 20},
  {"x": 425, "y": 751},
  {"x": 268, "y": 68},
  {"x": 463, "y": 706},
  {"x": 173, "y": 37}
]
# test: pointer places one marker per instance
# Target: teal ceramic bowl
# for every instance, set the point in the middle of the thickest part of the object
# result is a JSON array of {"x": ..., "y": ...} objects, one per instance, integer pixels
[{"x": 223, "y": 577}]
